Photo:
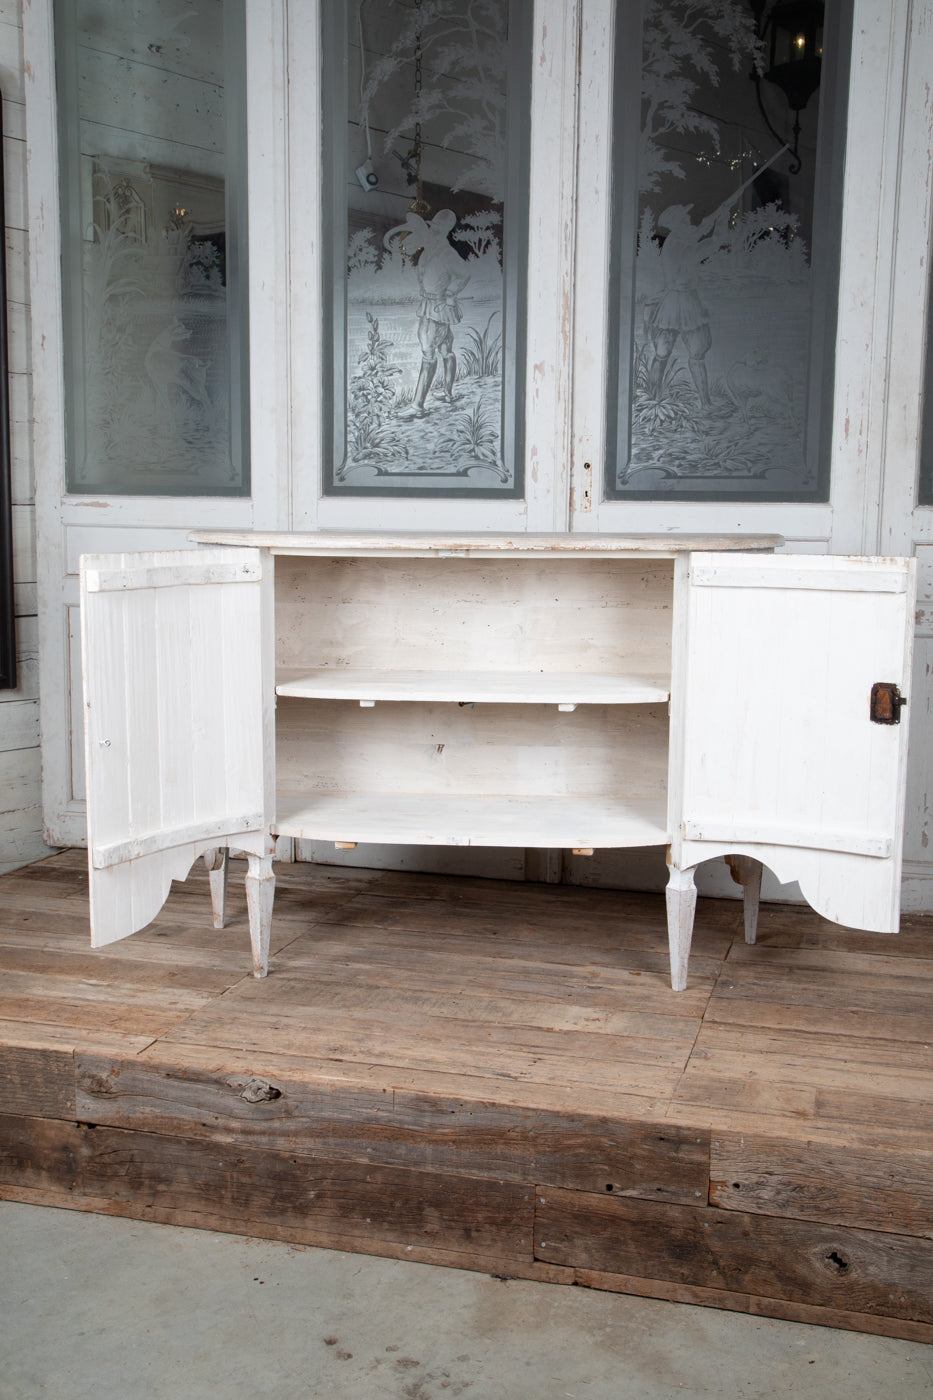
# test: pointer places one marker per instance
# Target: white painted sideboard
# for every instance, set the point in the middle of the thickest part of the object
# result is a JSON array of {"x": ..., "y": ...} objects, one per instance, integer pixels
[{"x": 554, "y": 691}]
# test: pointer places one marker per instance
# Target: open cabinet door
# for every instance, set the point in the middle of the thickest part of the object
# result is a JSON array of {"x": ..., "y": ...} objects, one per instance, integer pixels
[
  {"x": 776, "y": 754},
  {"x": 178, "y": 710}
]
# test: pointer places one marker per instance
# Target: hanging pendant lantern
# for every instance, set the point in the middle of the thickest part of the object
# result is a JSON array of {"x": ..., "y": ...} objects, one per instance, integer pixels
[
  {"x": 796, "y": 50},
  {"x": 795, "y": 28}
]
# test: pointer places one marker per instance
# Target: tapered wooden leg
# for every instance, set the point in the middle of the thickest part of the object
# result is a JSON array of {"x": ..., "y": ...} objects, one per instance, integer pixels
[
  {"x": 681, "y": 907},
  {"x": 217, "y": 863},
  {"x": 260, "y": 890},
  {"x": 747, "y": 872}
]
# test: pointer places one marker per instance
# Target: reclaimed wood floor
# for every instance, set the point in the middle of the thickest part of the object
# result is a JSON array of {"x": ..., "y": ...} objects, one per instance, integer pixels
[{"x": 491, "y": 1075}]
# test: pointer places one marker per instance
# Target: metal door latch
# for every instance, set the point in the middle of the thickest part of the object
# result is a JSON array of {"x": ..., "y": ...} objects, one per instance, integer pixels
[{"x": 886, "y": 703}]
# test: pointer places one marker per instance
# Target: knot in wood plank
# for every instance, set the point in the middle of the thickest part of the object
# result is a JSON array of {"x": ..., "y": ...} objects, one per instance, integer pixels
[{"x": 259, "y": 1091}]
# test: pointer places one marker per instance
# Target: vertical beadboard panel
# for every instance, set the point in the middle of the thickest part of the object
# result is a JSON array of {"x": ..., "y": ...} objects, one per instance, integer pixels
[
  {"x": 178, "y": 695},
  {"x": 796, "y": 770}
]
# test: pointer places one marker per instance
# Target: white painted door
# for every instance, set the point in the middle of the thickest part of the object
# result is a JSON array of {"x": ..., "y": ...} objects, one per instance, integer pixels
[
  {"x": 132, "y": 192},
  {"x": 123, "y": 171},
  {"x": 179, "y": 720},
  {"x": 881, "y": 334},
  {"x": 512, "y": 139},
  {"x": 775, "y": 752},
  {"x": 728, "y": 145}
]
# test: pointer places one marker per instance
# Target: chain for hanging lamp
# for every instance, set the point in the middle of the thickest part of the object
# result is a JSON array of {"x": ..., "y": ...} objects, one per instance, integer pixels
[{"x": 419, "y": 204}]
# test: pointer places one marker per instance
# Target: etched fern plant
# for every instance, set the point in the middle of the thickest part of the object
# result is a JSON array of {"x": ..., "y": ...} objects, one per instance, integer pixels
[
  {"x": 482, "y": 354},
  {"x": 371, "y": 398},
  {"x": 474, "y": 434}
]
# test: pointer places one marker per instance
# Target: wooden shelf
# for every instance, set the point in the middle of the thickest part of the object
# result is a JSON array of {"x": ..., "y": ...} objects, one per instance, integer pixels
[
  {"x": 427, "y": 819},
  {"x": 474, "y": 687}
]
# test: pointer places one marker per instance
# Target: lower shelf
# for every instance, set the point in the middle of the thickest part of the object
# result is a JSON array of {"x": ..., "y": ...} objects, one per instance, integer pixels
[
  {"x": 491, "y": 687},
  {"x": 418, "y": 819}
]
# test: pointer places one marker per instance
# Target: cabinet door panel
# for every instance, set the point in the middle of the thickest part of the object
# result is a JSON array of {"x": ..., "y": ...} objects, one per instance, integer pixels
[
  {"x": 776, "y": 754},
  {"x": 177, "y": 719}
]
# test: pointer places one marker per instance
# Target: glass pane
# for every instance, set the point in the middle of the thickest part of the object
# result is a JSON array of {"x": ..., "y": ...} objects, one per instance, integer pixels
[
  {"x": 152, "y": 146},
  {"x": 728, "y": 143},
  {"x": 426, "y": 190}
]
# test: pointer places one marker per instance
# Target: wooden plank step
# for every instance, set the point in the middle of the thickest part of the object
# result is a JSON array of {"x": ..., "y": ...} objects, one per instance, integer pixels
[
  {"x": 627, "y": 1065},
  {"x": 308, "y": 1198},
  {"x": 915, "y": 1024},
  {"x": 882, "y": 1189},
  {"x": 292, "y": 1112},
  {"x": 842, "y": 1268}
]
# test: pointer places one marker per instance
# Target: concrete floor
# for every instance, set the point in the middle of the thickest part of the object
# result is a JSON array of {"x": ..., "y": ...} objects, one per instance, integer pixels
[{"x": 121, "y": 1310}]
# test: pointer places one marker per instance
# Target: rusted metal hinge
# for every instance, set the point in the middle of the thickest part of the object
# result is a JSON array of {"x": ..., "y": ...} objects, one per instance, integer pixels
[{"x": 886, "y": 703}]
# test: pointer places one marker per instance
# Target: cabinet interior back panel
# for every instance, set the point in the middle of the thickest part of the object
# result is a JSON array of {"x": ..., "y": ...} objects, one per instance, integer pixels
[
  {"x": 336, "y": 746},
  {"x": 595, "y": 616}
]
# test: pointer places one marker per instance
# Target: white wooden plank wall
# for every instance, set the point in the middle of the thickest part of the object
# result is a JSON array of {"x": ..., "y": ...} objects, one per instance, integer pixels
[
  {"x": 20, "y": 809},
  {"x": 616, "y": 751}
]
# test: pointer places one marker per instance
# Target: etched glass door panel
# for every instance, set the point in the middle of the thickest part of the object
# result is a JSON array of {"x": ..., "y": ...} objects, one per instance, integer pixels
[
  {"x": 729, "y": 126},
  {"x": 152, "y": 111},
  {"x": 425, "y": 217}
]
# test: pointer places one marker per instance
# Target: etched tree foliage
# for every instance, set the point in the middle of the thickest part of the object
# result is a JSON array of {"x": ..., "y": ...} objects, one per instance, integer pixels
[
  {"x": 683, "y": 44},
  {"x": 461, "y": 105}
]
